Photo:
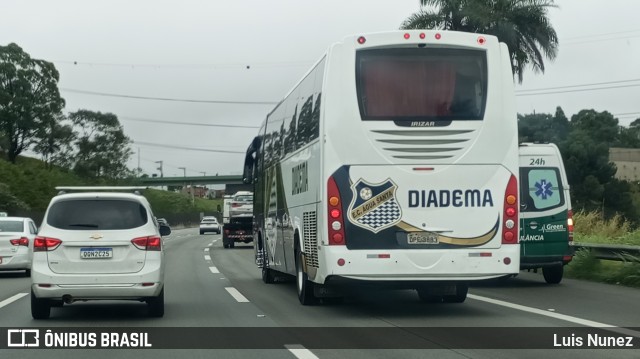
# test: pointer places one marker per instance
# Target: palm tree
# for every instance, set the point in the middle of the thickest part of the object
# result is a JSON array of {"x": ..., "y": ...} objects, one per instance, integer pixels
[{"x": 521, "y": 24}]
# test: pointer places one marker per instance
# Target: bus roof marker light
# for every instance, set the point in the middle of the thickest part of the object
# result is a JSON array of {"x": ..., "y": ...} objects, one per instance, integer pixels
[
  {"x": 481, "y": 40},
  {"x": 407, "y": 36},
  {"x": 438, "y": 36},
  {"x": 422, "y": 35},
  {"x": 361, "y": 40}
]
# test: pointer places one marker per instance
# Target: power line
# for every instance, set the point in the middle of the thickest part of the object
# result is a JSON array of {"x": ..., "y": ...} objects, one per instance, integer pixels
[
  {"x": 598, "y": 35},
  {"x": 84, "y": 92},
  {"x": 576, "y": 90},
  {"x": 185, "y": 148},
  {"x": 582, "y": 85},
  {"x": 184, "y": 123}
]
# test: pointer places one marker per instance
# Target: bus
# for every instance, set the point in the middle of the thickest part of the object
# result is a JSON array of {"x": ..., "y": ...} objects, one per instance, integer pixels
[
  {"x": 546, "y": 217},
  {"x": 393, "y": 162}
]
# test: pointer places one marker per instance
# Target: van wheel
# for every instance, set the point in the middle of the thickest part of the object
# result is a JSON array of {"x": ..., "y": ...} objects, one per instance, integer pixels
[
  {"x": 156, "y": 305},
  {"x": 40, "y": 308},
  {"x": 553, "y": 275},
  {"x": 460, "y": 296},
  {"x": 304, "y": 286}
]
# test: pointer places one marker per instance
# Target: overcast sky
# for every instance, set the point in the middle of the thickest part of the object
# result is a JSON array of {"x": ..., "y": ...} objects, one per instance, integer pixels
[{"x": 256, "y": 50}]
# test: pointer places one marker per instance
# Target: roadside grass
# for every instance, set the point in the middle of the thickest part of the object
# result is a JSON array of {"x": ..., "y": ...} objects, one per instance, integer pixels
[{"x": 591, "y": 227}]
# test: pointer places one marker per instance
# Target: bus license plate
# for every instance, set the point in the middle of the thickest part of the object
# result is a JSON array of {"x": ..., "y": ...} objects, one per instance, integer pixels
[
  {"x": 96, "y": 253},
  {"x": 422, "y": 238}
]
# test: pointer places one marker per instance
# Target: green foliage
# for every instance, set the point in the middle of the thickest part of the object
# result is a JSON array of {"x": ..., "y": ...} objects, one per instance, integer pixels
[
  {"x": 102, "y": 147},
  {"x": 585, "y": 266},
  {"x": 29, "y": 98},
  {"x": 542, "y": 127},
  {"x": 521, "y": 24}
]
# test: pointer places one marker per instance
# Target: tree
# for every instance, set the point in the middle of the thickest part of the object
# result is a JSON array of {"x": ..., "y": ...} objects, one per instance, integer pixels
[
  {"x": 56, "y": 142},
  {"x": 29, "y": 97},
  {"x": 542, "y": 127},
  {"x": 102, "y": 147},
  {"x": 521, "y": 24}
]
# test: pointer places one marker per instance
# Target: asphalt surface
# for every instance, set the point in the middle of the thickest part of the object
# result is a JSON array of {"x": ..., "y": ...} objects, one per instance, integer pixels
[{"x": 208, "y": 286}]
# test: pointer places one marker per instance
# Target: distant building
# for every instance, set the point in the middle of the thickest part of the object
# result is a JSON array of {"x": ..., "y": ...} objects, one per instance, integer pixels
[
  {"x": 627, "y": 160},
  {"x": 200, "y": 192}
]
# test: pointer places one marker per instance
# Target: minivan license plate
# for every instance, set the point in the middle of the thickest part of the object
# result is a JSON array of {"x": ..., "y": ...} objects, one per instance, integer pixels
[
  {"x": 422, "y": 238},
  {"x": 96, "y": 253}
]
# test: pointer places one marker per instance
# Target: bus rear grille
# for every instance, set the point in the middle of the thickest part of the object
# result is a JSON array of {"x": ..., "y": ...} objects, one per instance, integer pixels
[
  {"x": 310, "y": 238},
  {"x": 423, "y": 144}
]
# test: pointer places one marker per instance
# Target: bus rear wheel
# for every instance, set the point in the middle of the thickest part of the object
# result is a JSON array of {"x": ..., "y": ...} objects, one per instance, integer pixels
[
  {"x": 460, "y": 296},
  {"x": 267, "y": 274},
  {"x": 303, "y": 284},
  {"x": 553, "y": 275}
]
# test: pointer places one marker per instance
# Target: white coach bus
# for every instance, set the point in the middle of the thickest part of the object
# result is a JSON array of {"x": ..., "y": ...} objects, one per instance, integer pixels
[{"x": 394, "y": 161}]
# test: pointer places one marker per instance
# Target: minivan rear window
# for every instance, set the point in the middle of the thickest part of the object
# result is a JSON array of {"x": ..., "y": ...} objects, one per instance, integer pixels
[
  {"x": 104, "y": 214},
  {"x": 541, "y": 189}
]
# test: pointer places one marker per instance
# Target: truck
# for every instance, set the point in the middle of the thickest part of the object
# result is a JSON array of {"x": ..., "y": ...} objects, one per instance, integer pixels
[{"x": 237, "y": 219}]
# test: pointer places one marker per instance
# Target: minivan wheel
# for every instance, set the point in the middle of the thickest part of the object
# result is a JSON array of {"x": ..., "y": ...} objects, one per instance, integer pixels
[
  {"x": 156, "y": 305},
  {"x": 40, "y": 308},
  {"x": 553, "y": 275}
]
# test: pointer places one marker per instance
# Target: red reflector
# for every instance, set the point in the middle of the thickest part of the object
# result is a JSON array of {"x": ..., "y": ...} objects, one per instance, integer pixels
[
  {"x": 438, "y": 36},
  {"x": 508, "y": 236},
  {"x": 341, "y": 262},
  {"x": 384, "y": 255},
  {"x": 507, "y": 260},
  {"x": 422, "y": 35},
  {"x": 337, "y": 237},
  {"x": 567, "y": 258},
  {"x": 407, "y": 36},
  {"x": 423, "y": 168},
  {"x": 361, "y": 40},
  {"x": 335, "y": 213},
  {"x": 485, "y": 254}
]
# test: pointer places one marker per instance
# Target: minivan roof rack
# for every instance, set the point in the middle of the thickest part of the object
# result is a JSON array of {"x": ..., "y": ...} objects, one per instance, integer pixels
[{"x": 67, "y": 189}]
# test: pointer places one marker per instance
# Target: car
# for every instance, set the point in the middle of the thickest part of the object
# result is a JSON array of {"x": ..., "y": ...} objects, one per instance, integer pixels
[
  {"x": 241, "y": 205},
  {"x": 210, "y": 224},
  {"x": 98, "y": 244},
  {"x": 16, "y": 243}
]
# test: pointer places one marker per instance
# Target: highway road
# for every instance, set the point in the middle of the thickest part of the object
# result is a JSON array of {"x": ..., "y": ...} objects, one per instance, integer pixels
[{"x": 208, "y": 286}]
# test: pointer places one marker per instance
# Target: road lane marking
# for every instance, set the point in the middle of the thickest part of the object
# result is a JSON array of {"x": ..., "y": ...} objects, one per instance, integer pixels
[
  {"x": 214, "y": 241},
  {"x": 214, "y": 270},
  {"x": 300, "y": 352},
  {"x": 568, "y": 318},
  {"x": 206, "y": 249},
  {"x": 12, "y": 299},
  {"x": 237, "y": 295},
  {"x": 207, "y": 258}
]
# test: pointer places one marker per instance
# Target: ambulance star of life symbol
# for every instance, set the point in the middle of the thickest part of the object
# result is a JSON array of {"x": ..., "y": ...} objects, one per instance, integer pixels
[
  {"x": 374, "y": 206},
  {"x": 543, "y": 189}
]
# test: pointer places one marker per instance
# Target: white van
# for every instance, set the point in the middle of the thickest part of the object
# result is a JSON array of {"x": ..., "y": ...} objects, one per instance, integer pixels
[{"x": 546, "y": 218}]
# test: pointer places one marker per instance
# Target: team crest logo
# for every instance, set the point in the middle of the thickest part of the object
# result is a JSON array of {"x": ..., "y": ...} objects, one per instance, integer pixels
[{"x": 374, "y": 206}]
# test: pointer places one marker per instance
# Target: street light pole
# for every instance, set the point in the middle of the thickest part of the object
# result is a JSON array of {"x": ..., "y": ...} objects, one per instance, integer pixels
[{"x": 161, "y": 174}]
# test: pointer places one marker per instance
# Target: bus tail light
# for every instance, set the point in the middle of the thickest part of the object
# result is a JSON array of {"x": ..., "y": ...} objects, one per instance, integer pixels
[
  {"x": 335, "y": 219},
  {"x": 44, "y": 244},
  {"x": 510, "y": 213},
  {"x": 570, "y": 226}
]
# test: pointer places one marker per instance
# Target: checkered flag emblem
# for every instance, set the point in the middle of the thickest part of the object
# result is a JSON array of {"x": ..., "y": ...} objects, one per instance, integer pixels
[
  {"x": 381, "y": 216},
  {"x": 374, "y": 206}
]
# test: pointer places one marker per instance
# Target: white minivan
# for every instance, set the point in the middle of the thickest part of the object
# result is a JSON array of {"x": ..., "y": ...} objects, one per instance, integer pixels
[{"x": 98, "y": 246}]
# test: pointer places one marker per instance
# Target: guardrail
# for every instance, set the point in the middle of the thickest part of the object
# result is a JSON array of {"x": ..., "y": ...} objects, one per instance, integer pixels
[{"x": 612, "y": 252}]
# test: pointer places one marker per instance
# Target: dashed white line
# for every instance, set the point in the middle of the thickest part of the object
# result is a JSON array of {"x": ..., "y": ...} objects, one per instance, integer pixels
[
  {"x": 12, "y": 299},
  {"x": 237, "y": 295},
  {"x": 300, "y": 352},
  {"x": 207, "y": 258},
  {"x": 206, "y": 249},
  {"x": 214, "y": 241},
  {"x": 214, "y": 270}
]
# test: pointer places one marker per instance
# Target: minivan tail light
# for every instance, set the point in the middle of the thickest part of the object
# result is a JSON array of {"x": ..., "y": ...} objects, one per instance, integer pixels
[
  {"x": 570, "y": 226},
  {"x": 510, "y": 213},
  {"x": 151, "y": 243},
  {"x": 22, "y": 241},
  {"x": 44, "y": 244}
]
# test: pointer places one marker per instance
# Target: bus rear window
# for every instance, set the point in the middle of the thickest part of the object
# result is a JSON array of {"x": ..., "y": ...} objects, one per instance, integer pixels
[{"x": 421, "y": 84}]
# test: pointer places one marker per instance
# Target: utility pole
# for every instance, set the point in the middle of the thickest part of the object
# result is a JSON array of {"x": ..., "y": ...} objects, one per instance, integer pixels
[
  {"x": 160, "y": 169},
  {"x": 139, "y": 169}
]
